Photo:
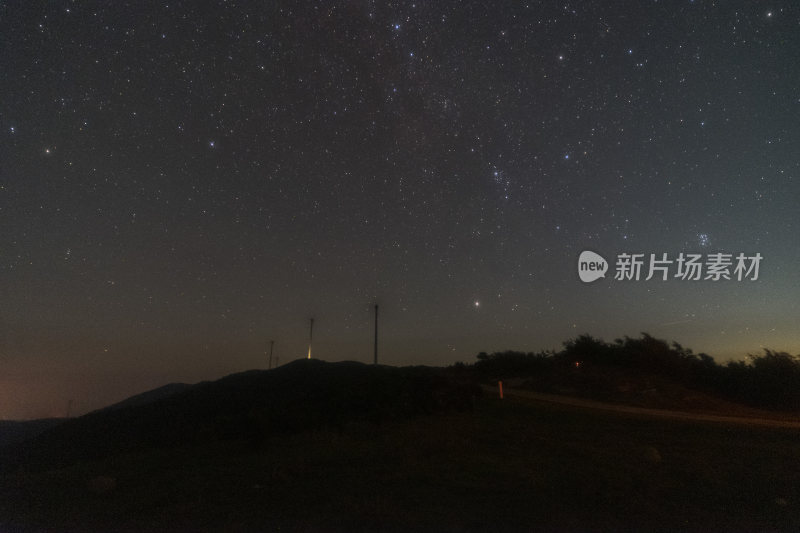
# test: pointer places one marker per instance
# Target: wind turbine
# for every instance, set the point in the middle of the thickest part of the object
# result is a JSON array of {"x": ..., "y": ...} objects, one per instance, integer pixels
[{"x": 310, "y": 337}]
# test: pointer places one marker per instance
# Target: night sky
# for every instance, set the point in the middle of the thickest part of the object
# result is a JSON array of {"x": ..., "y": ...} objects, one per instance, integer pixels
[{"x": 182, "y": 182}]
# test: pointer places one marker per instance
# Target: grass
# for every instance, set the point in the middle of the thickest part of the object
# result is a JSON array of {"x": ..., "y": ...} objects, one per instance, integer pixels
[{"x": 509, "y": 465}]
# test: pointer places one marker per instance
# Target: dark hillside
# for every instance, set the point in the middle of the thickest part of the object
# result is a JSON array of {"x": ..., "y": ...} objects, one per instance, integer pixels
[
  {"x": 159, "y": 393},
  {"x": 15, "y": 431},
  {"x": 305, "y": 394}
]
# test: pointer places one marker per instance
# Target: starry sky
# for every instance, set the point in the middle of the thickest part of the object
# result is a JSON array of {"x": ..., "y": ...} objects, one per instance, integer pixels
[{"x": 182, "y": 182}]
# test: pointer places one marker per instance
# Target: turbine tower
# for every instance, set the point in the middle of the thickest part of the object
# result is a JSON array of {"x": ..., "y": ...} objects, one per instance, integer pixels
[
  {"x": 310, "y": 337},
  {"x": 271, "y": 346},
  {"x": 376, "y": 335}
]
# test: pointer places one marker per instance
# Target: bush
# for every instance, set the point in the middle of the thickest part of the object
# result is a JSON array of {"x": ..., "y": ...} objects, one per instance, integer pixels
[
  {"x": 501, "y": 365},
  {"x": 770, "y": 380}
]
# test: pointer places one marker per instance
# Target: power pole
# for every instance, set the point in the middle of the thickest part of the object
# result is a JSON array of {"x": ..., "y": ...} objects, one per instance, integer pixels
[
  {"x": 310, "y": 337},
  {"x": 376, "y": 335},
  {"x": 271, "y": 346}
]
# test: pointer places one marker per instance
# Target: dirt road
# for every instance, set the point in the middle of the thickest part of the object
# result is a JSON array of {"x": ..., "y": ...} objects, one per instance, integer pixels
[{"x": 641, "y": 411}]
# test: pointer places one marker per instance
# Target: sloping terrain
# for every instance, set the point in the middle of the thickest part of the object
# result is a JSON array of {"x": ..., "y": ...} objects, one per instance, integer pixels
[
  {"x": 510, "y": 465},
  {"x": 253, "y": 405},
  {"x": 150, "y": 396},
  {"x": 16, "y": 431}
]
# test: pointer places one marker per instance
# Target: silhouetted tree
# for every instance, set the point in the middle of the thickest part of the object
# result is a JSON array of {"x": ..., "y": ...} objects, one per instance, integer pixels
[
  {"x": 770, "y": 380},
  {"x": 507, "y": 364}
]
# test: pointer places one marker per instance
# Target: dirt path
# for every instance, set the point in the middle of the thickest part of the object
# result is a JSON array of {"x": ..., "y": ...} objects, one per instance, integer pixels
[{"x": 662, "y": 413}]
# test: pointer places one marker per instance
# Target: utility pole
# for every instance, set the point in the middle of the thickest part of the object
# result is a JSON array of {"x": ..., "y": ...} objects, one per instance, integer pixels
[
  {"x": 310, "y": 337},
  {"x": 376, "y": 335},
  {"x": 271, "y": 346}
]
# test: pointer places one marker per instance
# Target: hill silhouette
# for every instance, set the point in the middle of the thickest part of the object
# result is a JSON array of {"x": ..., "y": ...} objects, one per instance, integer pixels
[
  {"x": 150, "y": 396},
  {"x": 314, "y": 446},
  {"x": 252, "y": 405},
  {"x": 15, "y": 431}
]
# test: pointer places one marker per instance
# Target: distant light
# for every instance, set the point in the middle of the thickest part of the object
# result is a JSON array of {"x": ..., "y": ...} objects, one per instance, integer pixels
[{"x": 477, "y": 303}]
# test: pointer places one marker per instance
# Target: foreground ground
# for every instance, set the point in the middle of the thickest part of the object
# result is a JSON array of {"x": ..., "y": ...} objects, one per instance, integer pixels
[
  {"x": 516, "y": 464},
  {"x": 737, "y": 416}
]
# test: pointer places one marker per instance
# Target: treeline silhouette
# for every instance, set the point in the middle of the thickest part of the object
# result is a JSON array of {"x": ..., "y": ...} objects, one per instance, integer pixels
[{"x": 770, "y": 380}]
